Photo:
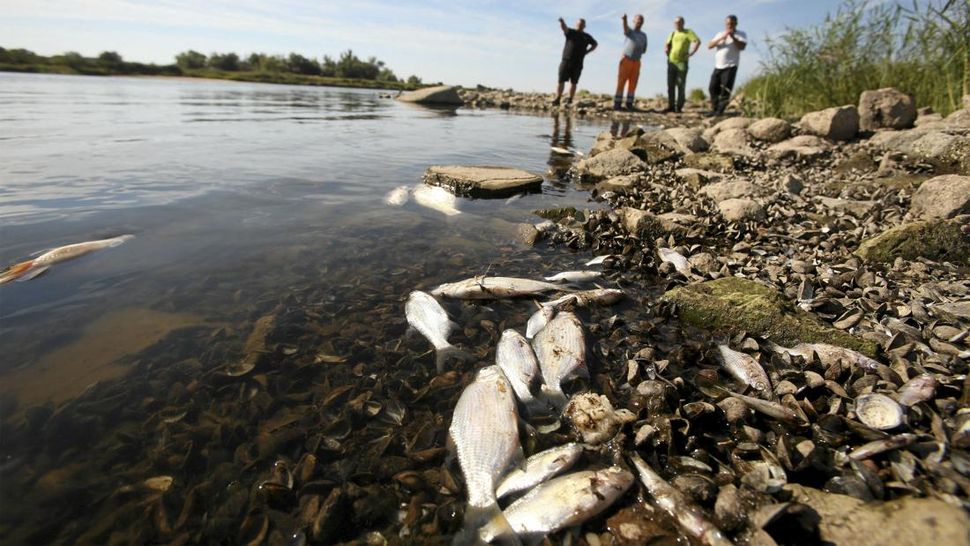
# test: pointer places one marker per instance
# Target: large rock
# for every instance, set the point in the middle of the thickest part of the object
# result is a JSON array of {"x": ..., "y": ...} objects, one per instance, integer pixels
[
  {"x": 441, "y": 94},
  {"x": 838, "y": 123},
  {"x": 676, "y": 222},
  {"x": 696, "y": 178},
  {"x": 942, "y": 197},
  {"x": 619, "y": 184},
  {"x": 654, "y": 147},
  {"x": 733, "y": 142},
  {"x": 907, "y": 521},
  {"x": 710, "y": 162},
  {"x": 610, "y": 163},
  {"x": 732, "y": 305},
  {"x": 728, "y": 189},
  {"x": 727, "y": 125},
  {"x": 689, "y": 140},
  {"x": 770, "y": 130},
  {"x": 851, "y": 207},
  {"x": 945, "y": 151},
  {"x": 482, "y": 181},
  {"x": 740, "y": 210},
  {"x": 636, "y": 221},
  {"x": 800, "y": 147},
  {"x": 886, "y": 108},
  {"x": 938, "y": 240}
]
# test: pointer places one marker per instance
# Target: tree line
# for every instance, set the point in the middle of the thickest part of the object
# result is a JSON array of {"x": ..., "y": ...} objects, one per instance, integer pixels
[{"x": 346, "y": 66}]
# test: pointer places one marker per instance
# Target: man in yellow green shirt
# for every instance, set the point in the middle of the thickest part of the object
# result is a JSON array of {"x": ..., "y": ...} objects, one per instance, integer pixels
[{"x": 679, "y": 47}]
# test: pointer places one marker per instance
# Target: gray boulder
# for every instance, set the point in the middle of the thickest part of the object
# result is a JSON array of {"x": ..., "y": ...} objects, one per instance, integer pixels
[
  {"x": 689, "y": 140},
  {"x": 696, "y": 178},
  {"x": 728, "y": 189},
  {"x": 738, "y": 210},
  {"x": 441, "y": 94},
  {"x": 710, "y": 162},
  {"x": 770, "y": 130},
  {"x": 838, "y": 123},
  {"x": 482, "y": 180},
  {"x": 886, "y": 108},
  {"x": 727, "y": 125},
  {"x": 791, "y": 184},
  {"x": 851, "y": 207},
  {"x": 800, "y": 147},
  {"x": 942, "y": 197},
  {"x": 614, "y": 162},
  {"x": 619, "y": 184},
  {"x": 733, "y": 142}
]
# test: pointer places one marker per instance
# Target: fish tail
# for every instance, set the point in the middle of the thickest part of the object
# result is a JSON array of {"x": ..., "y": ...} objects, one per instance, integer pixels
[
  {"x": 554, "y": 398},
  {"x": 447, "y": 353},
  {"x": 15, "y": 271},
  {"x": 484, "y": 525}
]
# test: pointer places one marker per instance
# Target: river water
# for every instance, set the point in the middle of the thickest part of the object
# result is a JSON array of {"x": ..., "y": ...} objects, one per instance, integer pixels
[{"x": 250, "y": 205}]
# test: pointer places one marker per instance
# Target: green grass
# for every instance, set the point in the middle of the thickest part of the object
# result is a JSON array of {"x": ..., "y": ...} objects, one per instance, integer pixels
[{"x": 921, "y": 48}]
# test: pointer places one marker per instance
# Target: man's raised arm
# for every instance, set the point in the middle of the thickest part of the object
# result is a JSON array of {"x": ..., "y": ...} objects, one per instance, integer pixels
[
  {"x": 626, "y": 27},
  {"x": 562, "y": 25}
]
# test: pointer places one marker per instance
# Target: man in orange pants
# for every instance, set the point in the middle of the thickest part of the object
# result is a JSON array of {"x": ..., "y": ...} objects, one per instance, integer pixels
[{"x": 634, "y": 48}]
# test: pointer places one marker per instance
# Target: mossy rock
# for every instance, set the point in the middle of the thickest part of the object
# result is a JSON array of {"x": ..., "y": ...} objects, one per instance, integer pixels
[
  {"x": 937, "y": 240},
  {"x": 732, "y": 305},
  {"x": 557, "y": 213}
]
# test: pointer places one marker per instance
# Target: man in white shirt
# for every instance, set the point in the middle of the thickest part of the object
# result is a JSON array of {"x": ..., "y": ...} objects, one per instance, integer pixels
[{"x": 728, "y": 45}]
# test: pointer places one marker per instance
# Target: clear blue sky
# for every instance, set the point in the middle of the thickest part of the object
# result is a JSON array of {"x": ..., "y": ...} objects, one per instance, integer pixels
[{"x": 498, "y": 43}]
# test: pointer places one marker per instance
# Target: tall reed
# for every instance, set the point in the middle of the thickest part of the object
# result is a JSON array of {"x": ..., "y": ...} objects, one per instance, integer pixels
[{"x": 921, "y": 48}]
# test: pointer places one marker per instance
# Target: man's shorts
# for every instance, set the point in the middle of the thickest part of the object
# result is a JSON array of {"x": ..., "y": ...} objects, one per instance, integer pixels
[{"x": 570, "y": 71}]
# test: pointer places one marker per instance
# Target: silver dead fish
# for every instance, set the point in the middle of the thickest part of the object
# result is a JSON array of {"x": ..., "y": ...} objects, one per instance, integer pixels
[
  {"x": 585, "y": 298},
  {"x": 426, "y": 315},
  {"x": 436, "y": 198},
  {"x": 398, "y": 196},
  {"x": 565, "y": 151},
  {"x": 675, "y": 503},
  {"x": 32, "y": 268},
  {"x": 574, "y": 276},
  {"x": 562, "y": 502},
  {"x": 599, "y": 259},
  {"x": 829, "y": 354},
  {"x": 745, "y": 369},
  {"x": 515, "y": 357},
  {"x": 538, "y": 320},
  {"x": 485, "y": 435},
  {"x": 539, "y": 468},
  {"x": 561, "y": 349},
  {"x": 679, "y": 262},
  {"x": 483, "y": 288}
]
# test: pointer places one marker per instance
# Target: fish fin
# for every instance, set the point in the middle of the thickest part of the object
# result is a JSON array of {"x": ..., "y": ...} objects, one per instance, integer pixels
[
  {"x": 451, "y": 352},
  {"x": 33, "y": 273},
  {"x": 484, "y": 526},
  {"x": 556, "y": 399},
  {"x": 410, "y": 332},
  {"x": 15, "y": 271}
]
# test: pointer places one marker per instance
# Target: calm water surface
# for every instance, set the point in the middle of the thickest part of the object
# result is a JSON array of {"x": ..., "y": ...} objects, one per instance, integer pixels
[{"x": 246, "y": 201}]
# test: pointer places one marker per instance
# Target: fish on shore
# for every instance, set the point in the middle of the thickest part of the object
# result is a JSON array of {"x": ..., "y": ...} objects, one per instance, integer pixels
[
  {"x": 599, "y": 260},
  {"x": 679, "y": 507},
  {"x": 398, "y": 196},
  {"x": 675, "y": 258},
  {"x": 518, "y": 361},
  {"x": 561, "y": 350},
  {"x": 538, "y": 320},
  {"x": 484, "y": 434},
  {"x": 829, "y": 354},
  {"x": 575, "y": 276},
  {"x": 426, "y": 315},
  {"x": 30, "y": 269},
  {"x": 561, "y": 502},
  {"x": 745, "y": 369},
  {"x": 585, "y": 298},
  {"x": 436, "y": 198},
  {"x": 539, "y": 468},
  {"x": 483, "y": 288}
]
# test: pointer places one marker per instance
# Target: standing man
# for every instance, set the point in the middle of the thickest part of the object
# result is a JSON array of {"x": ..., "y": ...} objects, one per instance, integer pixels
[
  {"x": 729, "y": 43},
  {"x": 578, "y": 45},
  {"x": 680, "y": 46},
  {"x": 633, "y": 48}
]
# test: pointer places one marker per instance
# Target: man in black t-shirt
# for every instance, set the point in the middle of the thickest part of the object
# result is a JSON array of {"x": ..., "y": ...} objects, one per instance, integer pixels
[{"x": 578, "y": 45}]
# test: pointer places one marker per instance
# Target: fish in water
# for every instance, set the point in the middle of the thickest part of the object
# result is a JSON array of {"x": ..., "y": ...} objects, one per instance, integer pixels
[
  {"x": 515, "y": 357},
  {"x": 600, "y": 259},
  {"x": 677, "y": 505},
  {"x": 745, "y": 369},
  {"x": 32, "y": 268},
  {"x": 561, "y": 502},
  {"x": 426, "y": 315},
  {"x": 565, "y": 151},
  {"x": 398, "y": 196},
  {"x": 575, "y": 276},
  {"x": 483, "y": 288},
  {"x": 539, "y": 468},
  {"x": 584, "y": 298},
  {"x": 436, "y": 198},
  {"x": 678, "y": 260},
  {"x": 538, "y": 320},
  {"x": 485, "y": 436},
  {"x": 561, "y": 350}
]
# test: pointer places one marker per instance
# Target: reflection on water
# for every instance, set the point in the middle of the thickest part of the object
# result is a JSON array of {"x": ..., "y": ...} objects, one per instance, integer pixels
[{"x": 244, "y": 199}]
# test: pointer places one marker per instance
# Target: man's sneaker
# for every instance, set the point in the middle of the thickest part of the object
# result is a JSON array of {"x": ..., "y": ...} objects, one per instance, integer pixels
[
  {"x": 668, "y": 110},
  {"x": 617, "y": 107},
  {"x": 555, "y": 102}
]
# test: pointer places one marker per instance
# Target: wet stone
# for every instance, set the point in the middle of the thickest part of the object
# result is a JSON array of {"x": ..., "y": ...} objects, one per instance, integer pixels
[
  {"x": 936, "y": 240},
  {"x": 482, "y": 181}
]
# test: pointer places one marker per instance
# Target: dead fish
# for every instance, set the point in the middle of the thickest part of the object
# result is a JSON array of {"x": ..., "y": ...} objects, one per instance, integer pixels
[
  {"x": 585, "y": 298},
  {"x": 538, "y": 320},
  {"x": 515, "y": 357},
  {"x": 514, "y": 198},
  {"x": 828, "y": 354},
  {"x": 398, "y": 196},
  {"x": 600, "y": 259},
  {"x": 436, "y": 198},
  {"x": 426, "y": 315},
  {"x": 672, "y": 501},
  {"x": 539, "y": 468},
  {"x": 745, "y": 369},
  {"x": 767, "y": 407},
  {"x": 565, "y": 151},
  {"x": 30, "y": 269},
  {"x": 882, "y": 445},
  {"x": 678, "y": 260},
  {"x": 574, "y": 276},
  {"x": 562, "y": 502},
  {"x": 561, "y": 349},
  {"x": 485, "y": 436},
  {"x": 483, "y": 288}
]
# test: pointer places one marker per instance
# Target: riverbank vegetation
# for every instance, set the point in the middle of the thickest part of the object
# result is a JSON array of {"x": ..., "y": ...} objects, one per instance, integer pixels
[
  {"x": 922, "y": 48},
  {"x": 347, "y": 70}
]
